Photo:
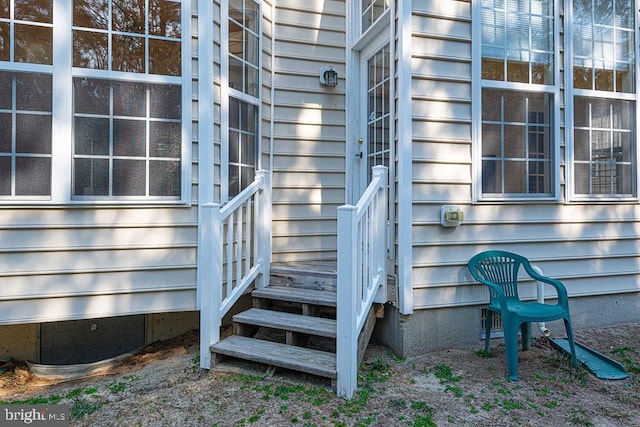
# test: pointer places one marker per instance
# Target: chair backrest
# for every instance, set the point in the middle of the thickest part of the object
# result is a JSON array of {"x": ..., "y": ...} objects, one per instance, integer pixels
[{"x": 498, "y": 267}]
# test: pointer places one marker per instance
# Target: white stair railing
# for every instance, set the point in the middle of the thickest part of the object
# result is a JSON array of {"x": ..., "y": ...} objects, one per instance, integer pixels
[
  {"x": 362, "y": 276},
  {"x": 234, "y": 251}
]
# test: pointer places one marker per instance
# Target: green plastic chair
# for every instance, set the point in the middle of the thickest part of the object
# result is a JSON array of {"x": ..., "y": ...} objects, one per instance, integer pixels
[{"x": 499, "y": 271}]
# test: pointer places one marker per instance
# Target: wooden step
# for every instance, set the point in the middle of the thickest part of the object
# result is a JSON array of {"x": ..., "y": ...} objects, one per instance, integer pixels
[
  {"x": 319, "y": 275},
  {"x": 288, "y": 321},
  {"x": 286, "y": 356},
  {"x": 299, "y": 295}
]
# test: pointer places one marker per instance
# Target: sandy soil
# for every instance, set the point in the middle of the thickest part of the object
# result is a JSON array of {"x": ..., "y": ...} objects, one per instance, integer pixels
[{"x": 163, "y": 386}]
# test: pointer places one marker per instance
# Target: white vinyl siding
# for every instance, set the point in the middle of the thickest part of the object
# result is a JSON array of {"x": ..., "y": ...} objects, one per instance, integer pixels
[{"x": 308, "y": 129}]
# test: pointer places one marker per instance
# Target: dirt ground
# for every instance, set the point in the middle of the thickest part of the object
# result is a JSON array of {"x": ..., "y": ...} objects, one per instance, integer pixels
[{"x": 163, "y": 386}]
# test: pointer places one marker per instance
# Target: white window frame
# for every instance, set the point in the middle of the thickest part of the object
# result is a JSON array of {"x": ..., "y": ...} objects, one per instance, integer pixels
[
  {"x": 571, "y": 93},
  {"x": 226, "y": 92},
  {"x": 476, "y": 110},
  {"x": 63, "y": 72}
]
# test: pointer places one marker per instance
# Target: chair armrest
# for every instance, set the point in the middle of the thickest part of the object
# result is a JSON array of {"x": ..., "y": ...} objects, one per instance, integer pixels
[{"x": 563, "y": 297}]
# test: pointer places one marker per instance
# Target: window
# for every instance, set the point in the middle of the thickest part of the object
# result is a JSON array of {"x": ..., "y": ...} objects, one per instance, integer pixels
[
  {"x": 518, "y": 93},
  {"x": 119, "y": 131},
  {"x": 604, "y": 98},
  {"x": 244, "y": 93},
  {"x": 371, "y": 10}
]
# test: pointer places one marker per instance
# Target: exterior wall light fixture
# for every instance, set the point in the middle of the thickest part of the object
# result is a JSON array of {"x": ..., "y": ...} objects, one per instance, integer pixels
[{"x": 328, "y": 77}]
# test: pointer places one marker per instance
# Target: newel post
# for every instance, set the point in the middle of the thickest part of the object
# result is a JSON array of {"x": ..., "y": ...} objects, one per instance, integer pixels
[
  {"x": 264, "y": 228},
  {"x": 347, "y": 334},
  {"x": 209, "y": 279}
]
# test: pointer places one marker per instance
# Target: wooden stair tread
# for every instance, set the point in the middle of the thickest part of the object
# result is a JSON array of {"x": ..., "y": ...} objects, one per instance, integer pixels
[
  {"x": 300, "y": 295},
  {"x": 288, "y": 321},
  {"x": 301, "y": 359}
]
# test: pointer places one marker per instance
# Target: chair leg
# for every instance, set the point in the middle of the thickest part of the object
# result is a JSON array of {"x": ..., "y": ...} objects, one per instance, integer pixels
[
  {"x": 487, "y": 330},
  {"x": 525, "y": 329},
  {"x": 572, "y": 346},
  {"x": 511, "y": 344}
]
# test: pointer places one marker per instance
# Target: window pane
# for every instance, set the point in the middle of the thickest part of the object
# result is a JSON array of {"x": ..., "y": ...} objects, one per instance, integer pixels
[
  {"x": 34, "y": 10},
  {"x": 91, "y": 14},
  {"x": 235, "y": 11},
  {"x": 91, "y": 177},
  {"x": 4, "y": 8},
  {"x": 91, "y": 136},
  {"x": 129, "y": 138},
  {"x": 33, "y": 44},
  {"x": 251, "y": 15},
  {"x": 164, "y": 139},
  {"x": 165, "y": 101},
  {"x": 165, "y": 18},
  {"x": 514, "y": 177},
  {"x": 235, "y": 40},
  {"x": 164, "y": 57},
  {"x": 5, "y": 133},
  {"x": 129, "y": 99},
  {"x": 33, "y": 134},
  {"x": 5, "y": 41},
  {"x": 5, "y": 176},
  {"x": 90, "y": 50},
  {"x": 91, "y": 96},
  {"x": 128, "y": 54},
  {"x": 6, "y": 81},
  {"x": 513, "y": 141},
  {"x": 582, "y": 149},
  {"x": 164, "y": 178},
  {"x": 33, "y": 176},
  {"x": 491, "y": 176},
  {"x": 129, "y": 178},
  {"x": 33, "y": 92},
  {"x": 128, "y": 16}
]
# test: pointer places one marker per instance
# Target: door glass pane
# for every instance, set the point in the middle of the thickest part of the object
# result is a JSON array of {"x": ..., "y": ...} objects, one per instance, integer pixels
[{"x": 378, "y": 108}]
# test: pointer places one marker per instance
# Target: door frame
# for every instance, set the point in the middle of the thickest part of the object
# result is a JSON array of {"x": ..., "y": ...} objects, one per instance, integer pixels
[{"x": 361, "y": 47}]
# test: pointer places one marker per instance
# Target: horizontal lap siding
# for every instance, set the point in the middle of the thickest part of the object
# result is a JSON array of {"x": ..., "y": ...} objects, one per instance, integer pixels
[
  {"x": 309, "y": 129},
  {"x": 593, "y": 249}
]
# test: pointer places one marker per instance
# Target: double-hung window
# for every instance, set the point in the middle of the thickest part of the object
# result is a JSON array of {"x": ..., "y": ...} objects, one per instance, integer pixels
[
  {"x": 244, "y": 93},
  {"x": 603, "y": 87},
  {"x": 93, "y": 102},
  {"x": 518, "y": 91}
]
